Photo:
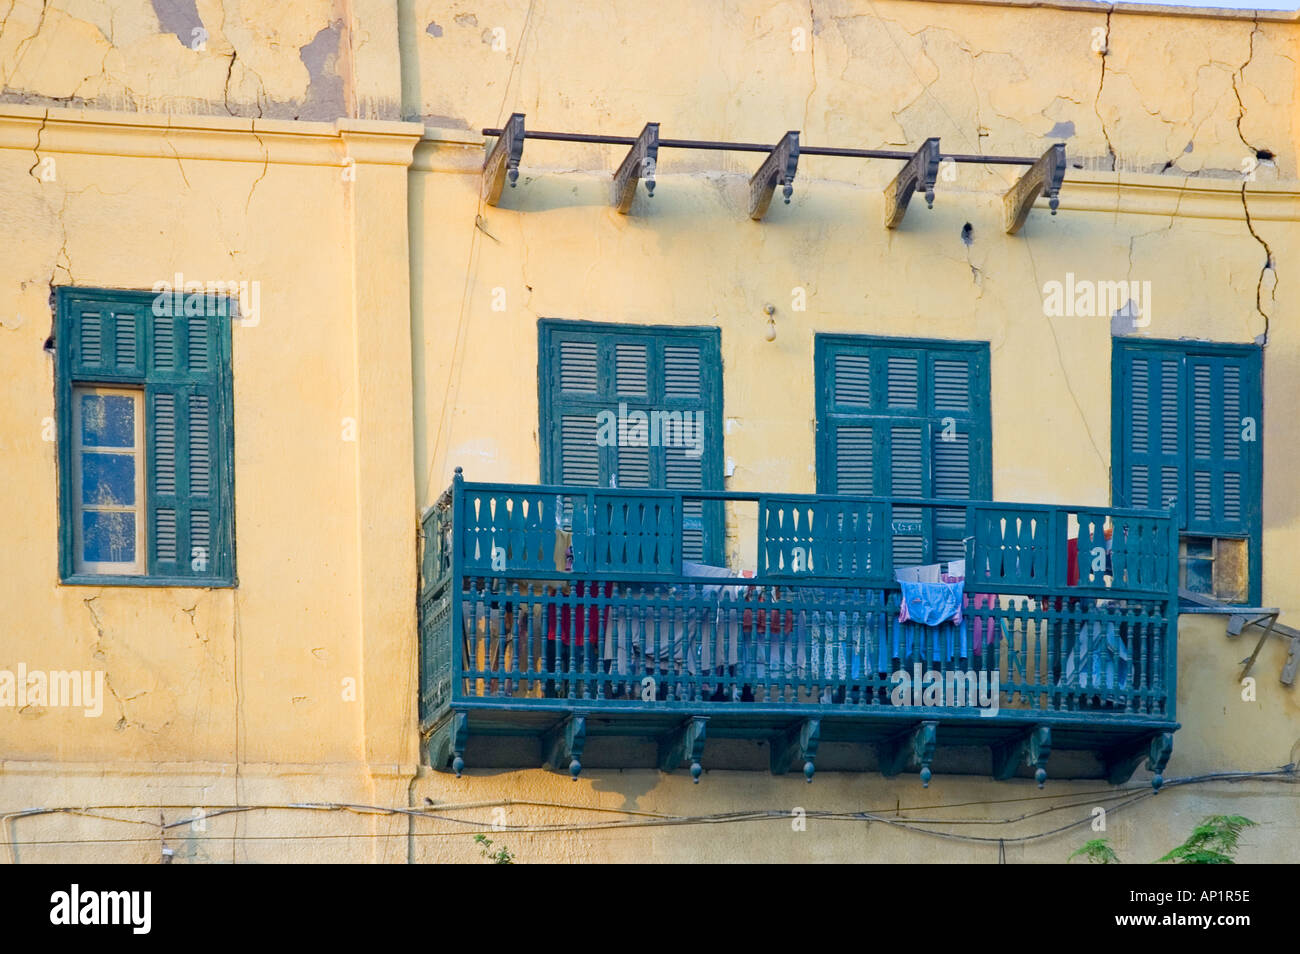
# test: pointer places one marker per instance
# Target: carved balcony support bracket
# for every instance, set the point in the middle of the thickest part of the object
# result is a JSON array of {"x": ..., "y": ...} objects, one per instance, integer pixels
[
  {"x": 797, "y": 744},
  {"x": 1031, "y": 749},
  {"x": 502, "y": 161},
  {"x": 920, "y": 172},
  {"x": 684, "y": 742},
  {"x": 564, "y": 743},
  {"x": 778, "y": 169},
  {"x": 447, "y": 743},
  {"x": 910, "y": 750},
  {"x": 639, "y": 163},
  {"x": 1123, "y": 762},
  {"x": 1043, "y": 177}
]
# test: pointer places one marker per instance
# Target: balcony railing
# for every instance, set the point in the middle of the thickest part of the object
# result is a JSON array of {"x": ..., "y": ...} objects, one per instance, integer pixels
[{"x": 567, "y": 612}]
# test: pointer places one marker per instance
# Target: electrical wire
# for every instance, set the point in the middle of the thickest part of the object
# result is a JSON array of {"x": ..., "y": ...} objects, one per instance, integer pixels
[{"x": 635, "y": 819}]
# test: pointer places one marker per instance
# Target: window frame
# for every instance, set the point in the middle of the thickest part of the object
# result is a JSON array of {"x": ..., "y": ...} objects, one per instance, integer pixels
[
  {"x": 139, "y": 509},
  {"x": 550, "y": 407},
  {"x": 1253, "y": 469},
  {"x": 825, "y": 412},
  {"x": 68, "y": 379}
]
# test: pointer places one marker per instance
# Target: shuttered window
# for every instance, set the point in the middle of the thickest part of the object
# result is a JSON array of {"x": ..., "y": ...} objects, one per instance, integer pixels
[
  {"x": 1186, "y": 434},
  {"x": 905, "y": 418},
  {"x": 160, "y": 365},
  {"x": 634, "y": 406}
]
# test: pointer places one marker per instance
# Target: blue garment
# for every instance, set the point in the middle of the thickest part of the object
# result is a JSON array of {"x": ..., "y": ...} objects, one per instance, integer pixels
[
  {"x": 931, "y": 603},
  {"x": 929, "y": 626},
  {"x": 1099, "y": 663}
]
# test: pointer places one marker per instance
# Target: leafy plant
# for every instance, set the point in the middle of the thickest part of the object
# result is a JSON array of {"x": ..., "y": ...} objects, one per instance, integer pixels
[
  {"x": 1098, "y": 852},
  {"x": 501, "y": 856},
  {"x": 1212, "y": 842}
]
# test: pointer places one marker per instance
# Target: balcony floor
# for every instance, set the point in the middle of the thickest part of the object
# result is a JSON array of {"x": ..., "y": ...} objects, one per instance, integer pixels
[{"x": 501, "y": 734}]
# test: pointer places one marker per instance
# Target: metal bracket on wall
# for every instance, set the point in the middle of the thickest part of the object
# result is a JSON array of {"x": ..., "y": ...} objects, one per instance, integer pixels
[{"x": 1241, "y": 618}]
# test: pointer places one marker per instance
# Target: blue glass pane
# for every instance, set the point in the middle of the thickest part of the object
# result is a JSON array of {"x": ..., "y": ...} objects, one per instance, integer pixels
[
  {"x": 108, "y": 479},
  {"x": 108, "y": 537},
  {"x": 1200, "y": 576},
  {"x": 107, "y": 420}
]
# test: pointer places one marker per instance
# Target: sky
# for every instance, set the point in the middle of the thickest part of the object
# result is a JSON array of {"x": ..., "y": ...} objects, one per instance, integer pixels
[{"x": 1229, "y": 4}]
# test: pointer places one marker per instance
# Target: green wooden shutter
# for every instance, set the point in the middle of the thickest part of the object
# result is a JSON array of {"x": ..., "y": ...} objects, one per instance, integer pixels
[
  {"x": 1187, "y": 428},
  {"x": 1149, "y": 394},
  {"x": 906, "y": 418},
  {"x": 593, "y": 370},
  {"x": 684, "y": 381},
  {"x": 1223, "y": 405},
  {"x": 105, "y": 339},
  {"x": 188, "y": 511}
]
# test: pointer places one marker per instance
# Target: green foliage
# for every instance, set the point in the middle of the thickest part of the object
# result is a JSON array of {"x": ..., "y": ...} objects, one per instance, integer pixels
[
  {"x": 501, "y": 856},
  {"x": 1098, "y": 852},
  {"x": 1212, "y": 842}
]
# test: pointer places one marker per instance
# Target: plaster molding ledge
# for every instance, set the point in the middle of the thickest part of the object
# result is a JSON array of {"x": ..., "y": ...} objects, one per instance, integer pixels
[
  {"x": 219, "y": 138},
  {"x": 1197, "y": 197},
  {"x": 449, "y": 150}
]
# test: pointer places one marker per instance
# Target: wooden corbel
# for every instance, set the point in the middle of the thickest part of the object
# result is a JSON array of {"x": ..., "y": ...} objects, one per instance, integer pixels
[
  {"x": 777, "y": 169},
  {"x": 1044, "y": 176},
  {"x": 684, "y": 742},
  {"x": 503, "y": 161},
  {"x": 639, "y": 164},
  {"x": 562, "y": 746},
  {"x": 797, "y": 744},
  {"x": 920, "y": 172},
  {"x": 1030, "y": 749}
]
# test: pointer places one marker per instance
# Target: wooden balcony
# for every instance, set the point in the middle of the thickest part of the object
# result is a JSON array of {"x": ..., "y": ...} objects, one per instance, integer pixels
[{"x": 565, "y": 626}]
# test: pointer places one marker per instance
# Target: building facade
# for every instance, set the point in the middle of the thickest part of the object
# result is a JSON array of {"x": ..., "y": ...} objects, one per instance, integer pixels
[{"x": 290, "y": 345}]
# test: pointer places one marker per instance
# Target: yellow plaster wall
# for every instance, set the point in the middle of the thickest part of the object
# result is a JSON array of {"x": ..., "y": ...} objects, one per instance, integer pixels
[
  {"x": 256, "y": 673},
  {"x": 691, "y": 256},
  {"x": 233, "y": 697}
]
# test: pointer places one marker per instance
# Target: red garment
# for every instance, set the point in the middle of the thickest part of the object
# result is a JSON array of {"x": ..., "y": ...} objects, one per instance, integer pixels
[
  {"x": 768, "y": 621},
  {"x": 588, "y": 623}
]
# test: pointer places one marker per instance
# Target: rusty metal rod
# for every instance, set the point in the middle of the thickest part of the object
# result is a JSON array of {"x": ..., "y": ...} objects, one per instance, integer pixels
[{"x": 761, "y": 147}]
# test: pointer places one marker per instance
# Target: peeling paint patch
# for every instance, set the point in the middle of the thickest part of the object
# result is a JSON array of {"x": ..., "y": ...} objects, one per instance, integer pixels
[
  {"x": 1124, "y": 321},
  {"x": 1061, "y": 131},
  {"x": 433, "y": 30},
  {"x": 180, "y": 17},
  {"x": 466, "y": 20},
  {"x": 325, "y": 90}
]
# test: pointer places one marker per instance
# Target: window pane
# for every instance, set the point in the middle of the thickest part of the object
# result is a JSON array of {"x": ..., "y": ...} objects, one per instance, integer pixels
[
  {"x": 1231, "y": 574},
  {"x": 108, "y": 537},
  {"x": 107, "y": 420},
  {"x": 108, "y": 480},
  {"x": 1200, "y": 574}
]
